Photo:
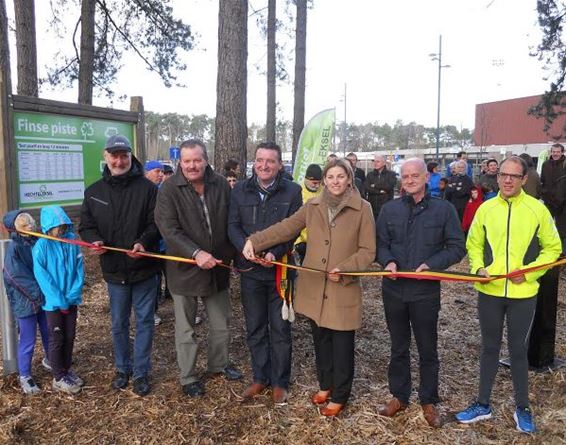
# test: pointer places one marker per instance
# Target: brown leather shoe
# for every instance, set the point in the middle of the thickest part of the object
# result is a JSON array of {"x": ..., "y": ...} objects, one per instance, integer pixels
[
  {"x": 253, "y": 390},
  {"x": 332, "y": 409},
  {"x": 320, "y": 397},
  {"x": 279, "y": 396},
  {"x": 392, "y": 407},
  {"x": 431, "y": 415}
]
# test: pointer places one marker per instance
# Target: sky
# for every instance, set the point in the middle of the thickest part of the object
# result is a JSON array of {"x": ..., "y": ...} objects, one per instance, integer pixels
[{"x": 379, "y": 49}]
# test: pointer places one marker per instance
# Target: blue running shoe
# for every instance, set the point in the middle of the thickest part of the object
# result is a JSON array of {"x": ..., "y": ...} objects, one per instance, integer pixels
[
  {"x": 524, "y": 420},
  {"x": 474, "y": 413}
]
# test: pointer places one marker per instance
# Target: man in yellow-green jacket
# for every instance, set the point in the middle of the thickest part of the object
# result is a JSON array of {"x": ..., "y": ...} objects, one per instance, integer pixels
[
  {"x": 311, "y": 188},
  {"x": 510, "y": 232}
]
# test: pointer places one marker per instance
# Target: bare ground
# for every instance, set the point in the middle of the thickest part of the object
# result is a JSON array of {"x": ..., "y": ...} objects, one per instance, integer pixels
[{"x": 100, "y": 415}]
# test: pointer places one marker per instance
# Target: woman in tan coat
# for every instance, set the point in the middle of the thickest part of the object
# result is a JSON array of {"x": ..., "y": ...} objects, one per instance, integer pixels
[{"x": 341, "y": 234}]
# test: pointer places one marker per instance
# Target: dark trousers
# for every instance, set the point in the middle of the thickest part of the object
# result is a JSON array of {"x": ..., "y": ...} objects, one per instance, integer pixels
[
  {"x": 267, "y": 334},
  {"x": 519, "y": 314},
  {"x": 334, "y": 351},
  {"x": 422, "y": 317},
  {"x": 62, "y": 328}
]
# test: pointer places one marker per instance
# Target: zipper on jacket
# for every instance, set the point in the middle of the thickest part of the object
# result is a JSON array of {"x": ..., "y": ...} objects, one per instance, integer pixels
[{"x": 507, "y": 245}]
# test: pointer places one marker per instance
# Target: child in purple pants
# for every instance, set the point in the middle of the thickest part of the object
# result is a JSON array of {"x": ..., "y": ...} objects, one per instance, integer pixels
[
  {"x": 59, "y": 270},
  {"x": 24, "y": 295}
]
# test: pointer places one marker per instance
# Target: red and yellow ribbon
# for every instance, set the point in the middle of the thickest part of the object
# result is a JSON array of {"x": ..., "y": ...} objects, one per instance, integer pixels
[{"x": 430, "y": 274}]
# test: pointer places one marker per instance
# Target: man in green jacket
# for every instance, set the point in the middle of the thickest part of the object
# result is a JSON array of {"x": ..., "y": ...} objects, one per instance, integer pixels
[{"x": 511, "y": 231}]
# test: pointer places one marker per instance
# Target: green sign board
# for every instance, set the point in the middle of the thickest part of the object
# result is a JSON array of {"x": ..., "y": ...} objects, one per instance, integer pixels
[{"x": 59, "y": 156}]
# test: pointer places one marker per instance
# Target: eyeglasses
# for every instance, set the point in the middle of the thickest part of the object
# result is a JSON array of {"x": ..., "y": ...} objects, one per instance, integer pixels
[{"x": 505, "y": 176}]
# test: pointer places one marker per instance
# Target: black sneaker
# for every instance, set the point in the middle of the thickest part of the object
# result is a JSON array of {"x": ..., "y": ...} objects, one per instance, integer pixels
[
  {"x": 141, "y": 386},
  {"x": 195, "y": 389},
  {"x": 121, "y": 380},
  {"x": 231, "y": 373}
]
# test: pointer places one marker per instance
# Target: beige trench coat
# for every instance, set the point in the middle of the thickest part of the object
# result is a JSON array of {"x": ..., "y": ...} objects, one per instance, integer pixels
[{"x": 347, "y": 243}]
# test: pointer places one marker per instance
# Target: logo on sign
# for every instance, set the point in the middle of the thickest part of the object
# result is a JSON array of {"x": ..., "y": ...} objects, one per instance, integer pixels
[{"x": 42, "y": 193}]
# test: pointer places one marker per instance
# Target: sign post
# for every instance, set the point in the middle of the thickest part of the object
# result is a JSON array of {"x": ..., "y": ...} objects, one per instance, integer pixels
[{"x": 7, "y": 322}]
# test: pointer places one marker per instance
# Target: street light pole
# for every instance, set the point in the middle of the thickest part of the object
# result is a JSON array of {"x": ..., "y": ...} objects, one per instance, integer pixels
[
  {"x": 345, "y": 135},
  {"x": 438, "y": 56},
  {"x": 438, "y": 98}
]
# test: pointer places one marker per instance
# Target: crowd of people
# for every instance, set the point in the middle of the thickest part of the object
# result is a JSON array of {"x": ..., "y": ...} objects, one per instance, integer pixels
[{"x": 338, "y": 220}]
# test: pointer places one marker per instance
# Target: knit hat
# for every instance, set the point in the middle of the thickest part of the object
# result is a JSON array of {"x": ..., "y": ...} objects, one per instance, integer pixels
[
  {"x": 314, "y": 172},
  {"x": 152, "y": 165}
]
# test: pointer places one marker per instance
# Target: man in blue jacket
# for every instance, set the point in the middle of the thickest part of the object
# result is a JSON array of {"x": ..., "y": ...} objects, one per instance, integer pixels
[
  {"x": 255, "y": 204},
  {"x": 415, "y": 232}
]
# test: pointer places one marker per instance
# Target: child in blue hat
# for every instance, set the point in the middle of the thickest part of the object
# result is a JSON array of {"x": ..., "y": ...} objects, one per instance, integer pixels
[{"x": 59, "y": 270}]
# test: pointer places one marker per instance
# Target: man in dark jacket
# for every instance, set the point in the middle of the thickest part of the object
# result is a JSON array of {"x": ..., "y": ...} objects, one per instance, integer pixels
[
  {"x": 488, "y": 180},
  {"x": 255, "y": 204},
  {"x": 459, "y": 188},
  {"x": 416, "y": 232},
  {"x": 379, "y": 185},
  {"x": 552, "y": 180},
  {"x": 358, "y": 172},
  {"x": 118, "y": 211},
  {"x": 192, "y": 216}
]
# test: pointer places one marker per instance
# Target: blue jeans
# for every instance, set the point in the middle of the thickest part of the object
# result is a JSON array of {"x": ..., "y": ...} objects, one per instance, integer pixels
[
  {"x": 141, "y": 296},
  {"x": 28, "y": 337},
  {"x": 268, "y": 335}
]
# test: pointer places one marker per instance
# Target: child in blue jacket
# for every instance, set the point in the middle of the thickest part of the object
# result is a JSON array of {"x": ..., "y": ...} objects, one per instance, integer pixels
[
  {"x": 24, "y": 295},
  {"x": 59, "y": 270}
]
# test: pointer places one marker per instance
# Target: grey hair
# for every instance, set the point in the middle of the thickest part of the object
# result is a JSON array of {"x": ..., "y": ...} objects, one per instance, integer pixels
[
  {"x": 462, "y": 163},
  {"x": 418, "y": 162},
  {"x": 376, "y": 157},
  {"x": 24, "y": 219}
]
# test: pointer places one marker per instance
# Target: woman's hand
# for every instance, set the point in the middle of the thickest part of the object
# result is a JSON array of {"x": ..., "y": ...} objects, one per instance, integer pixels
[{"x": 333, "y": 275}]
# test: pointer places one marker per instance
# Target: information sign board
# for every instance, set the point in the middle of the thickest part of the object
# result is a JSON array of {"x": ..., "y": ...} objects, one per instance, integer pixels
[{"x": 59, "y": 156}]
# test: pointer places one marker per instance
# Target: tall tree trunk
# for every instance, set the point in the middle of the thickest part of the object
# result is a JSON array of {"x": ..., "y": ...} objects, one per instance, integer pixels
[
  {"x": 4, "y": 43},
  {"x": 271, "y": 71},
  {"x": 231, "y": 128},
  {"x": 300, "y": 68},
  {"x": 86, "y": 63},
  {"x": 26, "y": 49}
]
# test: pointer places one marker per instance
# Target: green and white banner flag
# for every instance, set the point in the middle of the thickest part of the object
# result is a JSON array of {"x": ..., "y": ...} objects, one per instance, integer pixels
[{"x": 315, "y": 143}]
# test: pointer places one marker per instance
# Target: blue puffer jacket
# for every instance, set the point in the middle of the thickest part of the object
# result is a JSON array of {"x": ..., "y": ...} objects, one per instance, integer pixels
[
  {"x": 249, "y": 213},
  {"x": 434, "y": 185},
  {"x": 24, "y": 293},
  {"x": 410, "y": 234},
  {"x": 58, "y": 266}
]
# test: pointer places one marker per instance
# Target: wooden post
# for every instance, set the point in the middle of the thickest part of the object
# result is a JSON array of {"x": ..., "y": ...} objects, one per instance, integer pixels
[
  {"x": 136, "y": 104},
  {"x": 7, "y": 164}
]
